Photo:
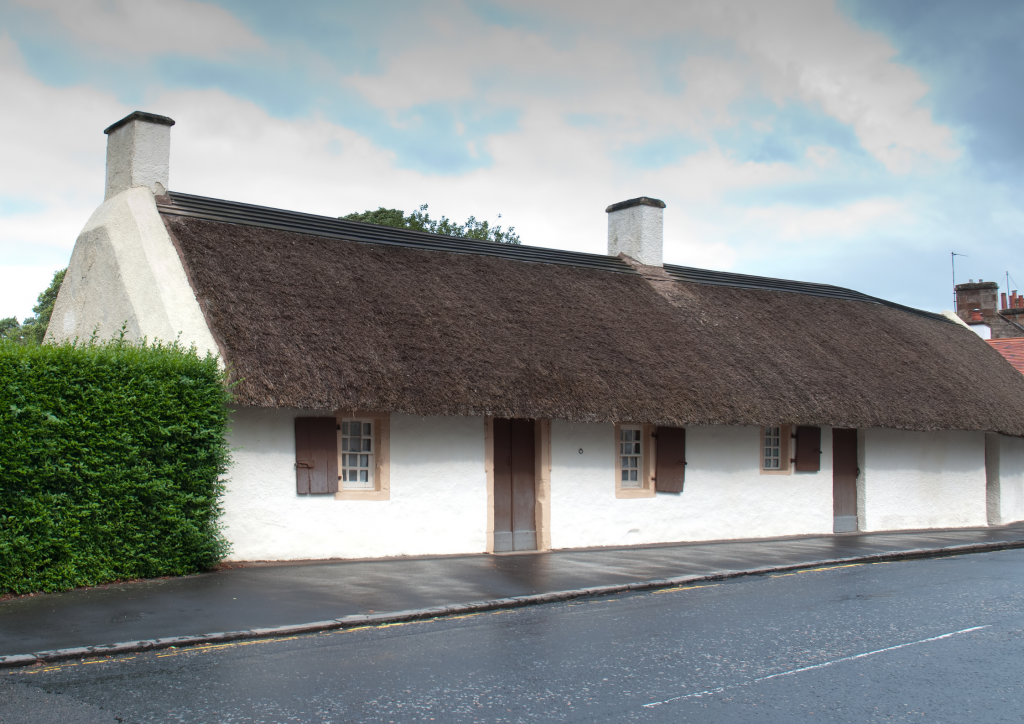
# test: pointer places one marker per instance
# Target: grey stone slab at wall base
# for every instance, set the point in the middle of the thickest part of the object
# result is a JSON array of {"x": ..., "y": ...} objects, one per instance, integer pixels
[
  {"x": 845, "y": 524},
  {"x": 250, "y": 602}
]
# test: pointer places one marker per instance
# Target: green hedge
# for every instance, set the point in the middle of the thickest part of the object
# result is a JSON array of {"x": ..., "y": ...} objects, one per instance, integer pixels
[{"x": 111, "y": 460}]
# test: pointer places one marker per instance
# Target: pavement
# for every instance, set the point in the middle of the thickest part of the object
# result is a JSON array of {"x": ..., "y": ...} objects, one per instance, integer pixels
[{"x": 253, "y": 600}]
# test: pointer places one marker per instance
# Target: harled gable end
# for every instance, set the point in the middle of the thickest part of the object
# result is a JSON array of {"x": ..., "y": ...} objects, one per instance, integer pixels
[{"x": 124, "y": 270}]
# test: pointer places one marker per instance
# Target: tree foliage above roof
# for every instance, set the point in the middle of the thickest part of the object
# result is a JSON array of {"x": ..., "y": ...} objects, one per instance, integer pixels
[{"x": 420, "y": 221}]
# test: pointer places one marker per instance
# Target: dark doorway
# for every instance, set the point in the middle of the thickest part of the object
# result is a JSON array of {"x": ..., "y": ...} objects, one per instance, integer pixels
[
  {"x": 515, "y": 487},
  {"x": 670, "y": 470},
  {"x": 844, "y": 480}
]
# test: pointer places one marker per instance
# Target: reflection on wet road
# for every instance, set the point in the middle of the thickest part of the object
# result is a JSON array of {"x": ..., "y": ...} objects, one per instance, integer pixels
[{"x": 927, "y": 640}]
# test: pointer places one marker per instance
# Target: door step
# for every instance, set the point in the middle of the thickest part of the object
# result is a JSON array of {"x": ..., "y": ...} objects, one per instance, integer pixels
[{"x": 844, "y": 524}]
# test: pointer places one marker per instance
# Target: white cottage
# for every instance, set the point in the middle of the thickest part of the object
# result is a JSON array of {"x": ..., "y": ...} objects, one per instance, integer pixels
[{"x": 402, "y": 393}]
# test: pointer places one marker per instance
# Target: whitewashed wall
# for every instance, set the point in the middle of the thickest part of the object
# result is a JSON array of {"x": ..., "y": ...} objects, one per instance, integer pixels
[
  {"x": 725, "y": 494},
  {"x": 923, "y": 479},
  {"x": 1010, "y": 486},
  {"x": 438, "y": 499}
]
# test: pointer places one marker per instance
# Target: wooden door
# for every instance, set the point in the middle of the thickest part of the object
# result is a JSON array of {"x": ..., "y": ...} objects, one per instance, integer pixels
[
  {"x": 844, "y": 480},
  {"x": 670, "y": 468},
  {"x": 515, "y": 487}
]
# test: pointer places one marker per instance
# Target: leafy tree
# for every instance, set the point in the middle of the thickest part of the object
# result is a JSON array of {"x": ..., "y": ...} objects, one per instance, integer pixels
[
  {"x": 33, "y": 330},
  {"x": 420, "y": 221},
  {"x": 10, "y": 328}
]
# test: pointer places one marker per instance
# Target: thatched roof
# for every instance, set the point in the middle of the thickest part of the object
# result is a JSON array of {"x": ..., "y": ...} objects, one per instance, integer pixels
[{"x": 317, "y": 320}]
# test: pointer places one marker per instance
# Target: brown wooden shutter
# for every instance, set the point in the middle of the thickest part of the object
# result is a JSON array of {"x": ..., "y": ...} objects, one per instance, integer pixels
[
  {"x": 316, "y": 455},
  {"x": 808, "y": 449},
  {"x": 670, "y": 470}
]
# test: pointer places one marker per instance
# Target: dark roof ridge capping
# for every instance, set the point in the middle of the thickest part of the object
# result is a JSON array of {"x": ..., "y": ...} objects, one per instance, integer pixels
[
  {"x": 139, "y": 116},
  {"x": 747, "y": 281},
  {"x": 180, "y": 204},
  {"x": 638, "y": 201},
  {"x": 314, "y": 321},
  {"x": 233, "y": 212}
]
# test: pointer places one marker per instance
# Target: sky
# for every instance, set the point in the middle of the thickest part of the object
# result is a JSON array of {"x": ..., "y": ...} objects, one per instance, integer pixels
[{"x": 855, "y": 143}]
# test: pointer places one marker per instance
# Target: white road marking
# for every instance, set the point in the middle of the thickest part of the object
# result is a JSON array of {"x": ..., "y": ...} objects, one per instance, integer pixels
[{"x": 720, "y": 689}]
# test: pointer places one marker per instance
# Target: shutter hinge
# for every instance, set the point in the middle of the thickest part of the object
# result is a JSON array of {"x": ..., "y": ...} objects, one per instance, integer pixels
[{"x": 304, "y": 464}]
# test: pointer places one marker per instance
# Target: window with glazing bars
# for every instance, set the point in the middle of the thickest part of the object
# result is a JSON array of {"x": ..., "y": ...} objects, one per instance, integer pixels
[
  {"x": 357, "y": 455},
  {"x": 772, "y": 448},
  {"x": 630, "y": 457}
]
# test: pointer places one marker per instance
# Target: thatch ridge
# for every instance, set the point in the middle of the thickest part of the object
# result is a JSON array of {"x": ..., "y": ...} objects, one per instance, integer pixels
[{"x": 320, "y": 323}]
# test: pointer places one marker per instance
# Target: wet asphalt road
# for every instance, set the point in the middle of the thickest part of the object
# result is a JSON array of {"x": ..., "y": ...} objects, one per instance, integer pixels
[
  {"x": 254, "y": 596},
  {"x": 943, "y": 638}
]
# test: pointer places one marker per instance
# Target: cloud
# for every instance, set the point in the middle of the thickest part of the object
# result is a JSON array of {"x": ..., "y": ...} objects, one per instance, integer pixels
[
  {"x": 971, "y": 55},
  {"x": 53, "y": 149},
  {"x": 550, "y": 184},
  {"x": 776, "y": 151},
  {"x": 149, "y": 27},
  {"x": 20, "y": 286},
  {"x": 799, "y": 51},
  {"x": 845, "y": 222},
  {"x": 808, "y": 50}
]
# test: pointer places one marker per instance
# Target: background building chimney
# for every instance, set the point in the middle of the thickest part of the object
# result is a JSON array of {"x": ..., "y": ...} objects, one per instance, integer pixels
[
  {"x": 635, "y": 229},
  {"x": 138, "y": 153},
  {"x": 976, "y": 295}
]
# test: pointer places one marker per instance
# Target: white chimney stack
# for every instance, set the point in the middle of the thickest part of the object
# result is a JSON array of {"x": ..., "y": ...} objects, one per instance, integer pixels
[
  {"x": 138, "y": 153},
  {"x": 635, "y": 229}
]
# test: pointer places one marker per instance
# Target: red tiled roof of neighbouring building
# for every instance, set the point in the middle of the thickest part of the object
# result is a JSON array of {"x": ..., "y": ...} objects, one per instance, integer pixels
[{"x": 1012, "y": 349}]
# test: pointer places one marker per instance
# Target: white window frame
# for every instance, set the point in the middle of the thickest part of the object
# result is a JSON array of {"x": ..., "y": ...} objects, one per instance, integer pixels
[
  {"x": 643, "y": 487},
  {"x": 356, "y": 459},
  {"x": 378, "y": 483},
  {"x": 631, "y": 457},
  {"x": 785, "y": 450}
]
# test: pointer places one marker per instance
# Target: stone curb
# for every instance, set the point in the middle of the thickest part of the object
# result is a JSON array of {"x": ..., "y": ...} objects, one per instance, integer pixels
[{"x": 419, "y": 614}]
